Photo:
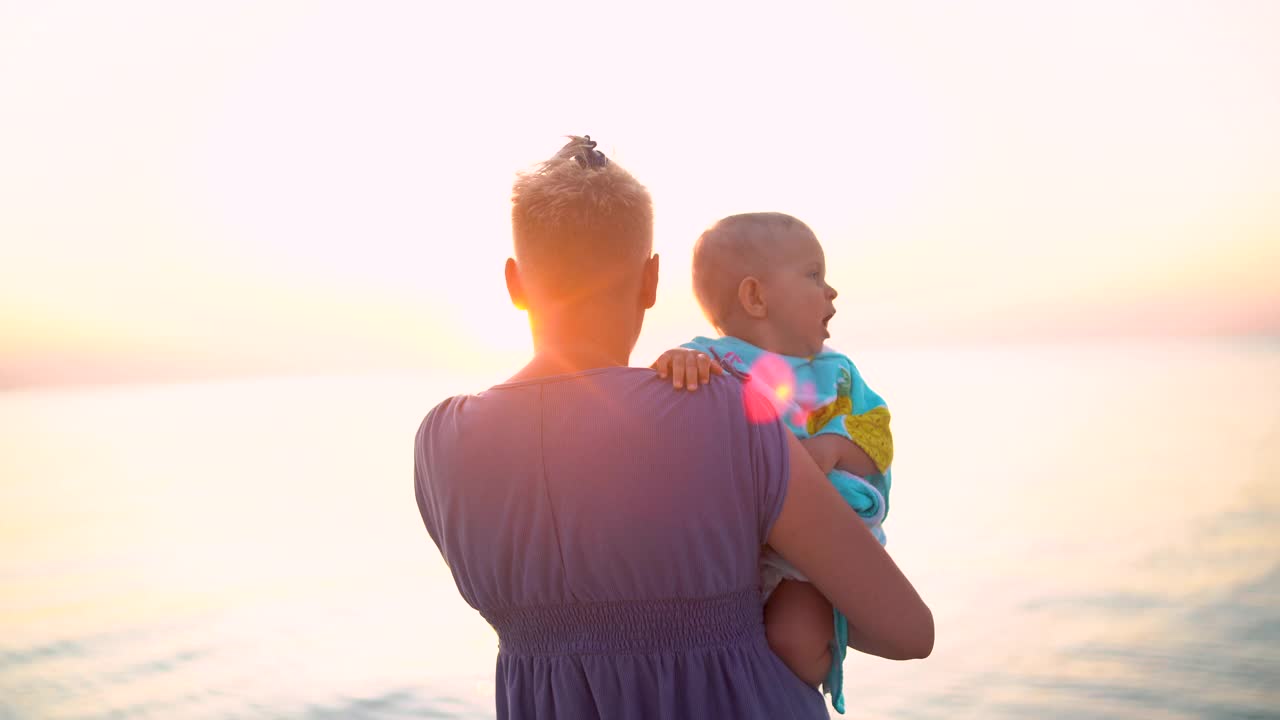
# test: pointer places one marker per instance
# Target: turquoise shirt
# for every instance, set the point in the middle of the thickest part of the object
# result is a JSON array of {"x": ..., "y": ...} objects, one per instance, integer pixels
[{"x": 823, "y": 394}]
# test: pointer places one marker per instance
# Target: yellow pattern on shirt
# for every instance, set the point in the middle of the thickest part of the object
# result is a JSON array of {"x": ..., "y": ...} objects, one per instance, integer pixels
[
  {"x": 870, "y": 431},
  {"x": 819, "y": 418}
]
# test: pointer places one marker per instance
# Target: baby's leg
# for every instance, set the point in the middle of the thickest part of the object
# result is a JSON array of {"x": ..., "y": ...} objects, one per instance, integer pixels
[{"x": 797, "y": 623}]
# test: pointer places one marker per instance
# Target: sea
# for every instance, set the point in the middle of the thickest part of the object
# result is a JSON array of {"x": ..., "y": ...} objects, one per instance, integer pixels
[{"x": 1096, "y": 527}]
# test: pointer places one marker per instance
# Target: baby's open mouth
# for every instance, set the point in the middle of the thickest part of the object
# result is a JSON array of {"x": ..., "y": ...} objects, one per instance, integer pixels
[{"x": 827, "y": 319}]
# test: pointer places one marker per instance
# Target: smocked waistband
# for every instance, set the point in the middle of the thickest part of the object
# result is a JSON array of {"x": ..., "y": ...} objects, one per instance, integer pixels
[{"x": 629, "y": 627}]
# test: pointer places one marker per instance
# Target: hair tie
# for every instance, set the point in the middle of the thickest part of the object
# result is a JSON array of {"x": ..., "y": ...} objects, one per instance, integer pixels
[{"x": 583, "y": 150}]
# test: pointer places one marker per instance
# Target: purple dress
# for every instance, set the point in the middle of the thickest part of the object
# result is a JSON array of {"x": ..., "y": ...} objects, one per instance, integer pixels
[{"x": 609, "y": 528}]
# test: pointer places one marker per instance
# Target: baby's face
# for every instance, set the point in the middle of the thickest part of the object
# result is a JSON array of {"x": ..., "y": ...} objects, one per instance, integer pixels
[{"x": 800, "y": 302}]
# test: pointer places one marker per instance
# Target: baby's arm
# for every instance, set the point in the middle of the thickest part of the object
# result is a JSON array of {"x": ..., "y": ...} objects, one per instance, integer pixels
[
  {"x": 831, "y": 451},
  {"x": 857, "y": 438}
]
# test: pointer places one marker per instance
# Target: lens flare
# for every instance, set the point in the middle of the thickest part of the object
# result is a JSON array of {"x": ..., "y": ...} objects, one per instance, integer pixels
[{"x": 770, "y": 390}]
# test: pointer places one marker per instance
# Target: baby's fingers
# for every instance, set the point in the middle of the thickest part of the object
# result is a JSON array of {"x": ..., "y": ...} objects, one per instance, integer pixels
[
  {"x": 678, "y": 370},
  {"x": 662, "y": 364},
  {"x": 707, "y": 366},
  {"x": 691, "y": 373}
]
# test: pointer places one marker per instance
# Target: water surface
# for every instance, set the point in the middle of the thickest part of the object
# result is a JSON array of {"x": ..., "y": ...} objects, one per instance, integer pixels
[{"x": 1096, "y": 527}]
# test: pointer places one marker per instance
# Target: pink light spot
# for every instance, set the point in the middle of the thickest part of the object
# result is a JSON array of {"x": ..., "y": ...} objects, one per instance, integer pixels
[
  {"x": 807, "y": 395},
  {"x": 769, "y": 391}
]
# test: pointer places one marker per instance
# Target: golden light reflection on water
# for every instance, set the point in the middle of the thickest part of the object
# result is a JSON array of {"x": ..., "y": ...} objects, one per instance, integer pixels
[{"x": 1095, "y": 527}]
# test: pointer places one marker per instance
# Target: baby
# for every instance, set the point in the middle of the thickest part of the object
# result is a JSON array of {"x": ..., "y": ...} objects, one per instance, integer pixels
[{"x": 761, "y": 281}]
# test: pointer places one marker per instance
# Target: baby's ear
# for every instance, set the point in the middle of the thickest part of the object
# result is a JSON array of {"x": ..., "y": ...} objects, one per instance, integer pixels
[{"x": 751, "y": 297}]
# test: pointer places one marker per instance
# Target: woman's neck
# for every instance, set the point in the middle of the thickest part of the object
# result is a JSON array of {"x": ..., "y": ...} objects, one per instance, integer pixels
[
  {"x": 564, "y": 361},
  {"x": 569, "y": 345}
]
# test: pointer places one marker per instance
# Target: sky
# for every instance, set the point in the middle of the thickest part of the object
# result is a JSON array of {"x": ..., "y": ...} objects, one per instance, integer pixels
[{"x": 239, "y": 187}]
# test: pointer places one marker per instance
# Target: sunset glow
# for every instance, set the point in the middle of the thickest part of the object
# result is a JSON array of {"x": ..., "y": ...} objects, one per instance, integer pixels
[{"x": 196, "y": 189}]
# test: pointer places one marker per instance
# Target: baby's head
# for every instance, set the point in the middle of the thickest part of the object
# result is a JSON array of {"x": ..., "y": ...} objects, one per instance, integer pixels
[
  {"x": 761, "y": 277},
  {"x": 582, "y": 225}
]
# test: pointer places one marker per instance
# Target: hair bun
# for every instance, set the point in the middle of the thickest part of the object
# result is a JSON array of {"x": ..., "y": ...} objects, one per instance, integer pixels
[{"x": 582, "y": 149}]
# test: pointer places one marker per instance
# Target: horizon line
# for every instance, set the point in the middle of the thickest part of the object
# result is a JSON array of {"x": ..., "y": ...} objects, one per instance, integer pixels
[{"x": 191, "y": 372}]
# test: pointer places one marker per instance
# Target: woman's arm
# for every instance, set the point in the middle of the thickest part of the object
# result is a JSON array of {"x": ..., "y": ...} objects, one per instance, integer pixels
[{"x": 824, "y": 538}]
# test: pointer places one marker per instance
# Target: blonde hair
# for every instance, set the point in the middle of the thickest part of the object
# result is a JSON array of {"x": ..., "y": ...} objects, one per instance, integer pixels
[
  {"x": 733, "y": 249},
  {"x": 578, "y": 216}
]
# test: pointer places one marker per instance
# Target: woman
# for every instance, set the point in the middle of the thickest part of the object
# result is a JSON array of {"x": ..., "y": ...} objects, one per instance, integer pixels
[{"x": 608, "y": 527}]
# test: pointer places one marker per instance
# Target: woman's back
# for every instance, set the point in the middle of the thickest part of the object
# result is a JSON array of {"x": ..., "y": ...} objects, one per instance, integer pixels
[{"x": 609, "y": 528}]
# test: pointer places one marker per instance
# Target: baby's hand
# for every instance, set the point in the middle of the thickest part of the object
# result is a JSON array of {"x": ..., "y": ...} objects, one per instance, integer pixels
[{"x": 686, "y": 367}]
